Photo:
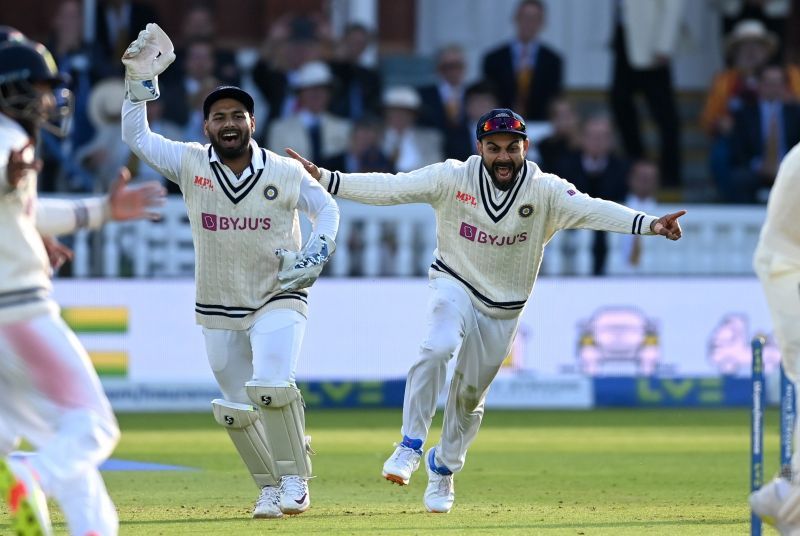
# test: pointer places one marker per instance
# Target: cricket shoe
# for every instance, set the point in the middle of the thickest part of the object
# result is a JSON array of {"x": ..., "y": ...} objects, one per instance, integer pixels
[
  {"x": 25, "y": 499},
  {"x": 268, "y": 503},
  {"x": 403, "y": 462},
  {"x": 767, "y": 501},
  {"x": 441, "y": 491},
  {"x": 294, "y": 497}
]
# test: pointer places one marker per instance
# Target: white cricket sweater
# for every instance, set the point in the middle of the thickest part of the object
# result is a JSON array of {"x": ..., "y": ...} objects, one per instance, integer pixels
[
  {"x": 24, "y": 267},
  {"x": 236, "y": 224},
  {"x": 490, "y": 241},
  {"x": 780, "y": 233}
]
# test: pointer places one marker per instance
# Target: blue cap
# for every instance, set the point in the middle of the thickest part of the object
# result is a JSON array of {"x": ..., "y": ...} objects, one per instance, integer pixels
[
  {"x": 228, "y": 92},
  {"x": 500, "y": 120}
]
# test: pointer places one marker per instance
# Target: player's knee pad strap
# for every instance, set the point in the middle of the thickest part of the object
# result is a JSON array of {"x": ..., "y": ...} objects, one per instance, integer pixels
[
  {"x": 247, "y": 433},
  {"x": 283, "y": 417}
]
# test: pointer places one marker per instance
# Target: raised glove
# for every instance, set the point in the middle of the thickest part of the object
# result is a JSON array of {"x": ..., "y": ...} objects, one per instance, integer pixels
[
  {"x": 144, "y": 60},
  {"x": 299, "y": 269}
]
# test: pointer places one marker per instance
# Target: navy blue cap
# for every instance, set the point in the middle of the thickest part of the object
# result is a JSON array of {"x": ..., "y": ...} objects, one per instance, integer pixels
[
  {"x": 228, "y": 92},
  {"x": 500, "y": 120}
]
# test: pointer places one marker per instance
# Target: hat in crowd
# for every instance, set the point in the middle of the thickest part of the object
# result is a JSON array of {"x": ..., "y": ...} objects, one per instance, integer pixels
[
  {"x": 228, "y": 92},
  {"x": 312, "y": 74},
  {"x": 402, "y": 97},
  {"x": 751, "y": 30},
  {"x": 500, "y": 120},
  {"x": 105, "y": 102}
]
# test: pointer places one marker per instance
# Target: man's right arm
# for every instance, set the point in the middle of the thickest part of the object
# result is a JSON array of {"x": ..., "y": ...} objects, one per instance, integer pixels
[
  {"x": 419, "y": 186},
  {"x": 163, "y": 155}
]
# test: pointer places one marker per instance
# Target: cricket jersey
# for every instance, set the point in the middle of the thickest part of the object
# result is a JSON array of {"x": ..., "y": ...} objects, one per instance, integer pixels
[
  {"x": 780, "y": 233},
  {"x": 237, "y": 222},
  {"x": 490, "y": 241}
]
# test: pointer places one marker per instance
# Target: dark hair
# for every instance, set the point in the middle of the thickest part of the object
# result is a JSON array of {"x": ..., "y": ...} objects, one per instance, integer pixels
[{"x": 535, "y": 3}]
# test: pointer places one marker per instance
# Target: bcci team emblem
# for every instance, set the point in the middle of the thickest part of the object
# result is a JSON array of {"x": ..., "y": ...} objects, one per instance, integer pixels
[
  {"x": 270, "y": 192},
  {"x": 525, "y": 210}
]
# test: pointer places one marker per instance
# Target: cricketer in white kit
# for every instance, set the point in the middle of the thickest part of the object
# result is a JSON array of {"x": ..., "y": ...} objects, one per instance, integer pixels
[
  {"x": 250, "y": 268},
  {"x": 50, "y": 394},
  {"x": 494, "y": 214},
  {"x": 777, "y": 264}
]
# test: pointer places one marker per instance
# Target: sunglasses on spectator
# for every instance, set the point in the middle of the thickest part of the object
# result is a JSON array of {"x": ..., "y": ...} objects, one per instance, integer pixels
[{"x": 502, "y": 123}]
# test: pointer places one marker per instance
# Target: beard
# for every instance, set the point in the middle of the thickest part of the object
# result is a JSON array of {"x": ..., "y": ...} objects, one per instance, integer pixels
[
  {"x": 515, "y": 168},
  {"x": 228, "y": 150}
]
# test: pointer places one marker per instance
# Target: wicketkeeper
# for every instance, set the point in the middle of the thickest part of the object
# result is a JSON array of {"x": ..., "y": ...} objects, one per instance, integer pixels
[{"x": 251, "y": 268}]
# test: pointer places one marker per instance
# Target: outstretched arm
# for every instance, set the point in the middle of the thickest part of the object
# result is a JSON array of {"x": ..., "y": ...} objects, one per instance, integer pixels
[
  {"x": 420, "y": 186},
  {"x": 55, "y": 217}
]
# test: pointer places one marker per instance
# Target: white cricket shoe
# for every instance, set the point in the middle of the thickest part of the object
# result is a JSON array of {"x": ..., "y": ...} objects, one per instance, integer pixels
[
  {"x": 401, "y": 464},
  {"x": 25, "y": 499},
  {"x": 294, "y": 495},
  {"x": 441, "y": 491},
  {"x": 268, "y": 503},
  {"x": 766, "y": 502}
]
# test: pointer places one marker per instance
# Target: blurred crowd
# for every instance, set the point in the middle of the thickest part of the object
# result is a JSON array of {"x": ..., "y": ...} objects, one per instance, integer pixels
[{"x": 320, "y": 94}]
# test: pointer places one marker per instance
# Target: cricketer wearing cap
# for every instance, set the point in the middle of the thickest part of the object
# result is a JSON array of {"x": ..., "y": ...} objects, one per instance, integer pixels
[
  {"x": 250, "y": 269},
  {"x": 494, "y": 214}
]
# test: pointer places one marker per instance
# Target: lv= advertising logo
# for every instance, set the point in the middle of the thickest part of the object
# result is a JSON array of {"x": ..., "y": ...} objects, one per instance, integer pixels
[{"x": 101, "y": 330}]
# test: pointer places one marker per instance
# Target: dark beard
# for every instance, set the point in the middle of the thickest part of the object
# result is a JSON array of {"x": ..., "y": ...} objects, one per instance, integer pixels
[
  {"x": 499, "y": 185},
  {"x": 231, "y": 152}
]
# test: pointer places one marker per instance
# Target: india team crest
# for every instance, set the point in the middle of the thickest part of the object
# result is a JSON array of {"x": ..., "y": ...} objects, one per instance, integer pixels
[
  {"x": 271, "y": 192},
  {"x": 525, "y": 210}
]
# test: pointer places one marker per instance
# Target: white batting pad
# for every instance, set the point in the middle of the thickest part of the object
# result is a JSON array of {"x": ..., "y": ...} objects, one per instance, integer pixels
[
  {"x": 283, "y": 417},
  {"x": 247, "y": 433}
]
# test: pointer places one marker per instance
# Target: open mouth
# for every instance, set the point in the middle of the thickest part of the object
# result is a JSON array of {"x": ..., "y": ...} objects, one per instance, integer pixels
[
  {"x": 503, "y": 172},
  {"x": 230, "y": 137}
]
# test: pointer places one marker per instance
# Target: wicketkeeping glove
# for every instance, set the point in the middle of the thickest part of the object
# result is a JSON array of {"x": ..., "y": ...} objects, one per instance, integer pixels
[
  {"x": 299, "y": 269},
  {"x": 144, "y": 60}
]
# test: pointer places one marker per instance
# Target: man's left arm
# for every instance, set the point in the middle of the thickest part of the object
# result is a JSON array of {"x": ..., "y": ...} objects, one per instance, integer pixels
[
  {"x": 577, "y": 210},
  {"x": 56, "y": 217}
]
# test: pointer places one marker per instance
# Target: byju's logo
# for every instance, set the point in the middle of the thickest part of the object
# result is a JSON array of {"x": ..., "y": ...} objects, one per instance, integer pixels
[
  {"x": 468, "y": 231},
  {"x": 473, "y": 234},
  {"x": 212, "y": 222},
  {"x": 209, "y": 221}
]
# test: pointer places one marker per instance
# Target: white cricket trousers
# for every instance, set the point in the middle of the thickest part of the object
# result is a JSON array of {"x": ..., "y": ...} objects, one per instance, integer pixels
[
  {"x": 51, "y": 396},
  {"x": 780, "y": 278},
  {"x": 267, "y": 352},
  {"x": 481, "y": 343}
]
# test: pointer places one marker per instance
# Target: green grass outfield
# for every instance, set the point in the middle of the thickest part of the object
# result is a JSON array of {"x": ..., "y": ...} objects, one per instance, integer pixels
[{"x": 610, "y": 472}]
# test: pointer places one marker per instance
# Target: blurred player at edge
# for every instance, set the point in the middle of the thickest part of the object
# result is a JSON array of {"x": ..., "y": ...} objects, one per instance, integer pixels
[
  {"x": 494, "y": 214},
  {"x": 242, "y": 202},
  {"x": 777, "y": 264},
  {"x": 50, "y": 393}
]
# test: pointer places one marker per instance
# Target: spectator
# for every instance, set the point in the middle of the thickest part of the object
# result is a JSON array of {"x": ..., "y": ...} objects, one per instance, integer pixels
[
  {"x": 183, "y": 97},
  {"x": 748, "y": 48},
  {"x": 642, "y": 188},
  {"x": 117, "y": 23},
  {"x": 460, "y": 142},
  {"x": 566, "y": 136},
  {"x": 528, "y": 73},
  {"x": 443, "y": 102},
  {"x": 292, "y": 42},
  {"x": 106, "y": 153},
  {"x": 312, "y": 129},
  {"x": 763, "y": 132},
  {"x": 771, "y": 13},
  {"x": 408, "y": 146},
  {"x": 358, "y": 89},
  {"x": 645, "y": 37},
  {"x": 364, "y": 153},
  {"x": 597, "y": 171},
  {"x": 199, "y": 24}
]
